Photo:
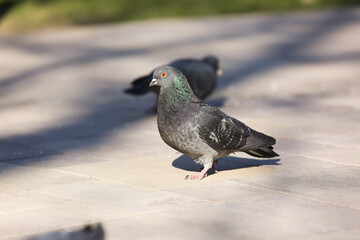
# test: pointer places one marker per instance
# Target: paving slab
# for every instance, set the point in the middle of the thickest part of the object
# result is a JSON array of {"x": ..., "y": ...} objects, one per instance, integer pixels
[
  {"x": 278, "y": 216},
  {"x": 125, "y": 197},
  {"x": 75, "y": 149},
  {"x": 350, "y": 234},
  {"x": 15, "y": 177},
  {"x": 13, "y": 202},
  {"x": 330, "y": 182},
  {"x": 151, "y": 228},
  {"x": 55, "y": 217}
]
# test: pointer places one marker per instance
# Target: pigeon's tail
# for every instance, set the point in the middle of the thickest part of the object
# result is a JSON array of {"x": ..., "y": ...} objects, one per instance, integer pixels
[
  {"x": 140, "y": 86},
  {"x": 264, "y": 152},
  {"x": 260, "y": 145},
  {"x": 136, "y": 90}
]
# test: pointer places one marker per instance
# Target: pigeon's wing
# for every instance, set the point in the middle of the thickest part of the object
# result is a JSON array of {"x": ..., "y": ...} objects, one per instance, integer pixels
[{"x": 221, "y": 131}]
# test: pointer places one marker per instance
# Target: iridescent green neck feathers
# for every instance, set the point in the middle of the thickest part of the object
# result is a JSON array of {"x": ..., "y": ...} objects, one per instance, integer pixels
[{"x": 179, "y": 94}]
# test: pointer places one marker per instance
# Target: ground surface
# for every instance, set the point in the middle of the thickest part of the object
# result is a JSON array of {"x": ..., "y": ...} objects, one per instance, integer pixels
[{"x": 75, "y": 149}]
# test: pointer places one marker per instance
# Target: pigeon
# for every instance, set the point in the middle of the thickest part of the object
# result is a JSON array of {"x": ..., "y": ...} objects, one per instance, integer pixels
[
  {"x": 88, "y": 232},
  {"x": 198, "y": 130},
  {"x": 201, "y": 74}
]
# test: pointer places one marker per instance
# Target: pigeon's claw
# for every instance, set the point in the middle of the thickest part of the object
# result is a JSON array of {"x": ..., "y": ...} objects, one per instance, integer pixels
[
  {"x": 202, "y": 175},
  {"x": 199, "y": 176}
]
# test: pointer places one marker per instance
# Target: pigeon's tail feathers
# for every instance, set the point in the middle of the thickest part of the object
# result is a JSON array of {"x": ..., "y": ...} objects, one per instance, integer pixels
[
  {"x": 259, "y": 145},
  {"x": 258, "y": 140},
  {"x": 264, "y": 152},
  {"x": 140, "y": 86},
  {"x": 135, "y": 91}
]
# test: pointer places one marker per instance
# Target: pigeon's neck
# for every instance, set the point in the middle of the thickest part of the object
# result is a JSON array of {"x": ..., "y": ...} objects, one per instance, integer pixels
[
  {"x": 182, "y": 90},
  {"x": 178, "y": 96}
]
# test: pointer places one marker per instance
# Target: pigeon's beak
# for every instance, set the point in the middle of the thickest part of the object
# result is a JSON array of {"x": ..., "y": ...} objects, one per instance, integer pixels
[
  {"x": 219, "y": 72},
  {"x": 153, "y": 82}
]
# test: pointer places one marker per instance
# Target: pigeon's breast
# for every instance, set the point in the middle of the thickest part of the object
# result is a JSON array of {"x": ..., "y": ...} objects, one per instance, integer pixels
[{"x": 183, "y": 137}]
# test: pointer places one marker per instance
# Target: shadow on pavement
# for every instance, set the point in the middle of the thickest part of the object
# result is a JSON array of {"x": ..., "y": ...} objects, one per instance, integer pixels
[{"x": 225, "y": 163}]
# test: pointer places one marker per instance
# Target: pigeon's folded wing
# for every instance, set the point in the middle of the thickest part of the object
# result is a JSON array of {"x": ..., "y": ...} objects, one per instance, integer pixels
[{"x": 222, "y": 132}]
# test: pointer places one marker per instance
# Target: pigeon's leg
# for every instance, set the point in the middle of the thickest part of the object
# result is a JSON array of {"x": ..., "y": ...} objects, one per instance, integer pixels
[
  {"x": 213, "y": 166},
  {"x": 202, "y": 174}
]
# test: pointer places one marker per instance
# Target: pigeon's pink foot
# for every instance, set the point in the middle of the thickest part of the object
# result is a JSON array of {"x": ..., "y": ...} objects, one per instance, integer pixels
[{"x": 199, "y": 176}]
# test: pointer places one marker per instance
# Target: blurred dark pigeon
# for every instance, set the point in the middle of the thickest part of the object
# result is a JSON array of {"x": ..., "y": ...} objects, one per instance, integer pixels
[
  {"x": 88, "y": 232},
  {"x": 201, "y": 74},
  {"x": 198, "y": 130}
]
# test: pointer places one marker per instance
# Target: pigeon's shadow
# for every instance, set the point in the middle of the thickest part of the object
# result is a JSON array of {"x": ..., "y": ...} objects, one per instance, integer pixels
[
  {"x": 217, "y": 102},
  {"x": 225, "y": 163}
]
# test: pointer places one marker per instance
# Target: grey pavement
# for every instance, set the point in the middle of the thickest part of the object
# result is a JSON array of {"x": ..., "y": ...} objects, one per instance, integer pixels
[{"x": 74, "y": 149}]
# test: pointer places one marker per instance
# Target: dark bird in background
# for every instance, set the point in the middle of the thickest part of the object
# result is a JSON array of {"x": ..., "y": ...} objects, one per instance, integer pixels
[
  {"x": 198, "y": 130},
  {"x": 88, "y": 232},
  {"x": 201, "y": 75}
]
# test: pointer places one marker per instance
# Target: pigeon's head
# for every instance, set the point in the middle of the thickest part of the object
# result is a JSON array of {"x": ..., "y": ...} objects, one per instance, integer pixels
[
  {"x": 214, "y": 63},
  {"x": 166, "y": 76}
]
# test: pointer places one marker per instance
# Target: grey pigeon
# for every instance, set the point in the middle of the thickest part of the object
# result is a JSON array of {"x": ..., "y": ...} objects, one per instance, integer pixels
[
  {"x": 198, "y": 130},
  {"x": 201, "y": 74}
]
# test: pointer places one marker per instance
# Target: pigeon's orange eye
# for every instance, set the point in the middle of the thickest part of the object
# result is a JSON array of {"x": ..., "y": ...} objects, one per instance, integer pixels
[{"x": 163, "y": 74}]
